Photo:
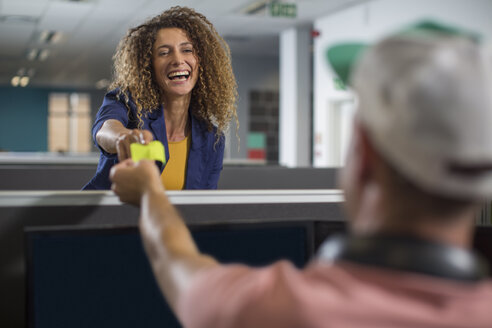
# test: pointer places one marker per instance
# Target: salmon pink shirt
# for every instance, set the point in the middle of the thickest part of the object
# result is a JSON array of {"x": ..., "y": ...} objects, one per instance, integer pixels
[{"x": 324, "y": 294}]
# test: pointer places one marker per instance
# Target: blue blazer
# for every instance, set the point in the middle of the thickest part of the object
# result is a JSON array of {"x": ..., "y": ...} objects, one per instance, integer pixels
[{"x": 204, "y": 159}]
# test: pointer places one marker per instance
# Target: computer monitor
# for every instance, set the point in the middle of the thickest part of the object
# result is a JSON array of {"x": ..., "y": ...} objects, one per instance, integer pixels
[{"x": 100, "y": 277}]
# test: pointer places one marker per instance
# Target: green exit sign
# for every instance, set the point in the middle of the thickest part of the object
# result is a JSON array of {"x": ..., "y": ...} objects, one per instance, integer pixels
[{"x": 278, "y": 9}]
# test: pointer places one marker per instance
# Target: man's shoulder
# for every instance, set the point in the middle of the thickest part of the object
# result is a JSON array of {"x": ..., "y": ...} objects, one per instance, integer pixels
[
  {"x": 239, "y": 296},
  {"x": 281, "y": 295}
]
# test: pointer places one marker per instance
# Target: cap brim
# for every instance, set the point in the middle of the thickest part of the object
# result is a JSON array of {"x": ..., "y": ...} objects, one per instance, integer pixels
[
  {"x": 342, "y": 58},
  {"x": 430, "y": 27}
]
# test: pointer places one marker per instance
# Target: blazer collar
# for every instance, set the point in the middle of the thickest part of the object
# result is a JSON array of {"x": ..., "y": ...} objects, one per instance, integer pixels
[
  {"x": 158, "y": 128},
  {"x": 198, "y": 156}
]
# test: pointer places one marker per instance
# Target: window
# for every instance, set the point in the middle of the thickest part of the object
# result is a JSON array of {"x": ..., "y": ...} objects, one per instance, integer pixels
[{"x": 69, "y": 123}]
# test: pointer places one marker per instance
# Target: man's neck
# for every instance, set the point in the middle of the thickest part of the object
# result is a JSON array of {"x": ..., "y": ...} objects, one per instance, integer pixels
[
  {"x": 456, "y": 230},
  {"x": 458, "y": 233}
]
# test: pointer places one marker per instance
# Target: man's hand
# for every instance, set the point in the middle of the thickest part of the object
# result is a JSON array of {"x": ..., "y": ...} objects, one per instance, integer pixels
[{"x": 132, "y": 180}]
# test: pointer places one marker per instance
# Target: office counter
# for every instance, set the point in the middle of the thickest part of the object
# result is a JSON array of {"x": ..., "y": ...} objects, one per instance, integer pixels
[
  {"x": 197, "y": 206},
  {"x": 27, "y": 171},
  {"x": 67, "y": 228},
  {"x": 214, "y": 211},
  {"x": 73, "y": 176}
]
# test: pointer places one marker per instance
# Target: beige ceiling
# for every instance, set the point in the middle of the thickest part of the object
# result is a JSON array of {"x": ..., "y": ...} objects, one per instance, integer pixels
[{"x": 91, "y": 30}]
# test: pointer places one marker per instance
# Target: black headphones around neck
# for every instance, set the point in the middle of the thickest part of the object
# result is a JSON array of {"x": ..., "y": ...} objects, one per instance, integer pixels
[{"x": 406, "y": 253}]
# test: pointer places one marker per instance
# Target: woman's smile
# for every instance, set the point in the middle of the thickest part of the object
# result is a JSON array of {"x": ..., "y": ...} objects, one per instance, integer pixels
[
  {"x": 175, "y": 62},
  {"x": 179, "y": 76}
]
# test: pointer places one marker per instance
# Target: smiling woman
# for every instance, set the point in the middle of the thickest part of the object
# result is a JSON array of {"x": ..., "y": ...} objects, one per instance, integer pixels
[
  {"x": 173, "y": 82},
  {"x": 175, "y": 64}
]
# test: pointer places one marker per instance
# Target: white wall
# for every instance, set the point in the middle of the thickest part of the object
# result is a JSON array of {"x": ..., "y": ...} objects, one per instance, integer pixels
[
  {"x": 367, "y": 23},
  {"x": 252, "y": 73},
  {"x": 295, "y": 97}
]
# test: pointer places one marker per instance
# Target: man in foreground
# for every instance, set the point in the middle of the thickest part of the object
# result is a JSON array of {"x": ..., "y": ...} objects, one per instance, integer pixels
[{"x": 418, "y": 169}]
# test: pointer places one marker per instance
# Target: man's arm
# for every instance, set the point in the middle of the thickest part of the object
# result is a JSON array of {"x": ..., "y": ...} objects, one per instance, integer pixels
[
  {"x": 173, "y": 255},
  {"x": 168, "y": 243}
]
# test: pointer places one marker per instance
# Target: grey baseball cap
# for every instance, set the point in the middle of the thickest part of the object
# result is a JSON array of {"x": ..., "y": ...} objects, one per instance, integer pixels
[{"x": 425, "y": 97}]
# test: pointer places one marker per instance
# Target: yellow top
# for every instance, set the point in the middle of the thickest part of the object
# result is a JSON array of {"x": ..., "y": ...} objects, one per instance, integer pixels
[{"x": 174, "y": 175}]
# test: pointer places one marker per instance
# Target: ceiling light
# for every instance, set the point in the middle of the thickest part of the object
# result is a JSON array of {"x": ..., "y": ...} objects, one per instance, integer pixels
[
  {"x": 32, "y": 54},
  {"x": 43, "y": 36},
  {"x": 56, "y": 37},
  {"x": 43, "y": 54},
  {"x": 24, "y": 81},
  {"x": 37, "y": 54},
  {"x": 255, "y": 7},
  {"x": 15, "y": 81},
  {"x": 51, "y": 37}
]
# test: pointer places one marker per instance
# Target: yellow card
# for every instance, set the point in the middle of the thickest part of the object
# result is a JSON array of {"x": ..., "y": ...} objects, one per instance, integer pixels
[{"x": 154, "y": 151}]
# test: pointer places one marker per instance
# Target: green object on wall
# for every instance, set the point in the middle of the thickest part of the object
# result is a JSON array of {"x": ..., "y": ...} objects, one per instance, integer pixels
[
  {"x": 342, "y": 56},
  {"x": 339, "y": 85},
  {"x": 256, "y": 140}
]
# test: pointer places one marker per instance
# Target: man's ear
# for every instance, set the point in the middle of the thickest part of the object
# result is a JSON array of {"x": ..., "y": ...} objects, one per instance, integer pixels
[
  {"x": 357, "y": 174},
  {"x": 356, "y": 170},
  {"x": 364, "y": 151}
]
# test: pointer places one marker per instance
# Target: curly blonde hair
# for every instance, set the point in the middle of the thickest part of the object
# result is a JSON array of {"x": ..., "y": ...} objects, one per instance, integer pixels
[{"x": 213, "y": 98}]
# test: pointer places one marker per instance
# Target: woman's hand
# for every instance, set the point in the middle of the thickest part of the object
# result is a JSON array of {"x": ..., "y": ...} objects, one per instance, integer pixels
[
  {"x": 113, "y": 137},
  {"x": 125, "y": 139}
]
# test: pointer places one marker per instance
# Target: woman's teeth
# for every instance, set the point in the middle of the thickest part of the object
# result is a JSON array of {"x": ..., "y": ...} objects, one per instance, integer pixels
[{"x": 179, "y": 76}]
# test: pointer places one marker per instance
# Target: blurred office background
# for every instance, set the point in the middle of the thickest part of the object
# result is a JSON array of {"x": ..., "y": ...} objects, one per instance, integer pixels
[{"x": 55, "y": 66}]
